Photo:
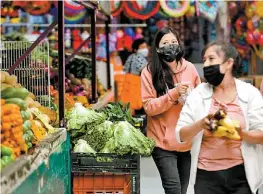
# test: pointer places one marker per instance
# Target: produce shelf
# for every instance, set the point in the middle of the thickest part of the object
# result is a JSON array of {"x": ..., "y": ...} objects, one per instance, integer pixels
[{"x": 37, "y": 172}]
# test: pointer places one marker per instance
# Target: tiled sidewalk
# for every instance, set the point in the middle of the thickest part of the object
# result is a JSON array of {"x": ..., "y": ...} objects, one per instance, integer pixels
[{"x": 150, "y": 179}]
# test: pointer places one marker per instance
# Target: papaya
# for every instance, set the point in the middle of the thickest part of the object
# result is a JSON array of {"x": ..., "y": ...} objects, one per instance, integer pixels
[
  {"x": 11, "y": 92},
  {"x": 21, "y": 103},
  {"x": 25, "y": 115}
]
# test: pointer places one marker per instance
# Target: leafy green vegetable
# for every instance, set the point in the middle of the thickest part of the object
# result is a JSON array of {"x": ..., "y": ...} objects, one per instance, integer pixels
[
  {"x": 13, "y": 36},
  {"x": 80, "y": 67},
  {"x": 119, "y": 112},
  {"x": 81, "y": 120},
  {"x": 81, "y": 116},
  {"x": 108, "y": 131},
  {"x": 40, "y": 53},
  {"x": 83, "y": 147},
  {"x": 98, "y": 136},
  {"x": 128, "y": 140}
]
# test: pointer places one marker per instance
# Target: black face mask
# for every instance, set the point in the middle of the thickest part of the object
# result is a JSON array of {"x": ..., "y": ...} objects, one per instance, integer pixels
[
  {"x": 213, "y": 75},
  {"x": 171, "y": 52}
]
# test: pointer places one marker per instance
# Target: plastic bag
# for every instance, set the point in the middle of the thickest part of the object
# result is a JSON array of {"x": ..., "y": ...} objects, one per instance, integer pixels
[{"x": 183, "y": 97}]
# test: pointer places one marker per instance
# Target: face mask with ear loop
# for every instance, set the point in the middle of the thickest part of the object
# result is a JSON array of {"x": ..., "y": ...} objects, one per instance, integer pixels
[
  {"x": 143, "y": 52},
  {"x": 213, "y": 75},
  {"x": 170, "y": 52}
]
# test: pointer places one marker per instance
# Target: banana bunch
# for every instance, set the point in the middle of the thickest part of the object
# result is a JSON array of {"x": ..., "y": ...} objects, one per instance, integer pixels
[{"x": 223, "y": 126}]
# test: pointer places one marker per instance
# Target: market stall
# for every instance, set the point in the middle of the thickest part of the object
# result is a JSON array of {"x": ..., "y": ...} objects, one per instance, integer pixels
[
  {"x": 62, "y": 127},
  {"x": 30, "y": 141},
  {"x": 246, "y": 27},
  {"x": 65, "y": 83}
]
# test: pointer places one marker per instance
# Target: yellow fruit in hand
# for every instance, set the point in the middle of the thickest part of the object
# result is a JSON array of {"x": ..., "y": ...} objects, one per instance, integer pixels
[
  {"x": 236, "y": 124},
  {"x": 234, "y": 136},
  {"x": 220, "y": 132},
  {"x": 228, "y": 124}
]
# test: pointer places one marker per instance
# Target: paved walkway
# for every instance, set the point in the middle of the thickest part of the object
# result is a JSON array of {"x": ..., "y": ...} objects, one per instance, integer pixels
[{"x": 150, "y": 179}]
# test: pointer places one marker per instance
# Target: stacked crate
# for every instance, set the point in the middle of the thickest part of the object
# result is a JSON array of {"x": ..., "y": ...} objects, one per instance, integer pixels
[{"x": 105, "y": 173}]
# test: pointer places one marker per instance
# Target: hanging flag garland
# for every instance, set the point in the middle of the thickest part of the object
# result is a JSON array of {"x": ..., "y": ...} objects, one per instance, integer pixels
[
  {"x": 74, "y": 12},
  {"x": 105, "y": 7},
  {"x": 37, "y": 7},
  {"x": 116, "y": 7},
  {"x": 75, "y": 19},
  {"x": 141, "y": 10},
  {"x": 73, "y": 6},
  {"x": 175, "y": 8}
]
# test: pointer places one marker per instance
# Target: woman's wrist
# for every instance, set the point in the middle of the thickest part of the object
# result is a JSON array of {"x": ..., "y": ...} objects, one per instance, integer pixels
[
  {"x": 177, "y": 89},
  {"x": 252, "y": 137},
  {"x": 173, "y": 94}
]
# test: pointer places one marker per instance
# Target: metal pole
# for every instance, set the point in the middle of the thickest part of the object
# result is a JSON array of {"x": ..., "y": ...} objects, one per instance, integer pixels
[
  {"x": 61, "y": 62},
  {"x": 107, "y": 31},
  {"x": 93, "y": 57}
]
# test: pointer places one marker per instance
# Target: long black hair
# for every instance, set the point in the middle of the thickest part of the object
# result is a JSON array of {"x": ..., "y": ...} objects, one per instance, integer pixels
[{"x": 162, "y": 75}]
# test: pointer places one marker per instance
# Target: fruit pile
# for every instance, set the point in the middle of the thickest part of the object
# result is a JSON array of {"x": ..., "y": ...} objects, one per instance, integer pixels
[{"x": 23, "y": 124}]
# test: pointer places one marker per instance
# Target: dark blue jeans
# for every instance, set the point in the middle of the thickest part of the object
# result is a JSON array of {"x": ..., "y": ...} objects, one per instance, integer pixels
[
  {"x": 230, "y": 181},
  {"x": 174, "y": 169}
]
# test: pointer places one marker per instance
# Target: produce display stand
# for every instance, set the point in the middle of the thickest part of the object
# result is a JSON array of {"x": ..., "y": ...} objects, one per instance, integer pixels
[
  {"x": 86, "y": 172},
  {"x": 46, "y": 170},
  {"x": 94, "y": 13}
]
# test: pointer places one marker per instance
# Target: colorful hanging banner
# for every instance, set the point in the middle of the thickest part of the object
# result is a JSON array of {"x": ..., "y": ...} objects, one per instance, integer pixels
[
  {"x": 116, "y": 7},
  {"x": 141, "y": 11},
  {"x": 175, "y": 8}
]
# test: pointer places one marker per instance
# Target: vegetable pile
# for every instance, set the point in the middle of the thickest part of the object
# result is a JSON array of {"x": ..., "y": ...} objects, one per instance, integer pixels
[
  {"x": 108, "y": 132},
  {"x": 119, "y": 112},
  {"x": 77, "y": 81},
  {"x": 82, "y": 121},
  {"x": 223, "y": 126}
]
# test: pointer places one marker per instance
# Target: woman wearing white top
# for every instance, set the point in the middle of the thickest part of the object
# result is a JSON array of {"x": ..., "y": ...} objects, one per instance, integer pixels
[{"x": 193, "y": 125}]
